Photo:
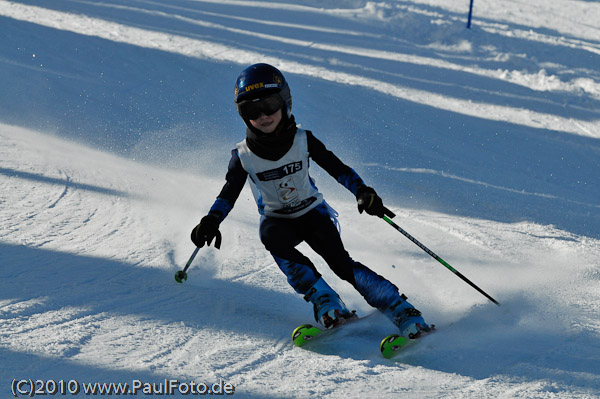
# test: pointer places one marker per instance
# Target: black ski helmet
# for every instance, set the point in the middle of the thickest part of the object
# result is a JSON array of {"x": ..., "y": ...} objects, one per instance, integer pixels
[{"x": 262, "y": 80}]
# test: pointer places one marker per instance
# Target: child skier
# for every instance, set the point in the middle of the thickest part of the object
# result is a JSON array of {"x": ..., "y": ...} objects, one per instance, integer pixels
[{"x": 275, "y": 158}]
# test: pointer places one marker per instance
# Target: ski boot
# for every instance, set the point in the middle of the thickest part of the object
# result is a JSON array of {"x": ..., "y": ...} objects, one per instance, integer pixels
[
  {"x": 329, "y": 309},
  {"x": 408, "y": 319}
]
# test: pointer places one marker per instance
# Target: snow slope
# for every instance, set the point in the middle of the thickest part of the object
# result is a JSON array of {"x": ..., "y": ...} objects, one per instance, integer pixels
[{"x": 115, "y": 128}]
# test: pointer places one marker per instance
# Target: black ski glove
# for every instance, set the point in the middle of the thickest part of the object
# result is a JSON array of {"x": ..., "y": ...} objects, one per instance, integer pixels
[
  {"x": 370, "y": 202},
  {"x": 206, "y": 231}
]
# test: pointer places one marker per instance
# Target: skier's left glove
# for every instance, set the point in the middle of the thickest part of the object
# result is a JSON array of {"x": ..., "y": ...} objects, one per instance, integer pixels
[
  {"x": 206, "y": 231},
  {"x": 370, "y": 202}
]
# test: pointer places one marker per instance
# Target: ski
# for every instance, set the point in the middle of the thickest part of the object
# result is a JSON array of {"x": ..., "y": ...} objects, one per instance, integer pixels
[
  {"x": 307, "y": 333},
  {"x": 390, "y": 346},
  {"x": 394, "y": 344}
]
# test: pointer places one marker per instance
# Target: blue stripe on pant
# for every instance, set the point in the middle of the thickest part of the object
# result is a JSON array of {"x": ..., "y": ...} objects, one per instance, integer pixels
[{"x": 281, "y": 236}]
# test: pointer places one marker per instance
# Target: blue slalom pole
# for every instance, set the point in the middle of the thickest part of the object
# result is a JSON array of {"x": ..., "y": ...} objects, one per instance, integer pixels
[{"x": 470, "y": 15}]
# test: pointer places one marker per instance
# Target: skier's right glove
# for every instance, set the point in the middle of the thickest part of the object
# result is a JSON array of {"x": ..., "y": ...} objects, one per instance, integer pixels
[
  {"x": 206, "y": 231},
  {"x": 370, "y": 202}
]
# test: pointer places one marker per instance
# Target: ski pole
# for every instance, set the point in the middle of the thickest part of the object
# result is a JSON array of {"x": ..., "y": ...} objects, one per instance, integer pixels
[
  {"x": 182, "y": 275},
  {"x": 434, "y": 256}
]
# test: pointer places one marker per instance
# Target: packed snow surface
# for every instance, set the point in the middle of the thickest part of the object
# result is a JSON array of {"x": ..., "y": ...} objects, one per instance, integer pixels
[{"x": 116, "y": 122}]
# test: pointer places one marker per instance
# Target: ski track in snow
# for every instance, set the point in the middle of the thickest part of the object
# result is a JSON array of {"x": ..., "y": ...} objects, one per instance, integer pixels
[{"x": 89, "y": 240}]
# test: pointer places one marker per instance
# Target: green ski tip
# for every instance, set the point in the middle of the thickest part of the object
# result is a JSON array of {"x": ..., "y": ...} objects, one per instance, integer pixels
[
  {"x": 305, "y": 333},
  {"x": 391, "y": 345}
]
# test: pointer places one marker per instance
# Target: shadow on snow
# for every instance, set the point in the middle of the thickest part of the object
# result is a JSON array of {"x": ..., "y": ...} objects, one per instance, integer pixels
[{"x": 487, "y": 343}]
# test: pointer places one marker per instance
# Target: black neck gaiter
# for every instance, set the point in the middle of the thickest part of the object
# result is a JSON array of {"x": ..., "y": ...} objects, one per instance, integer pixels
[{"x": 272, "y": 146}]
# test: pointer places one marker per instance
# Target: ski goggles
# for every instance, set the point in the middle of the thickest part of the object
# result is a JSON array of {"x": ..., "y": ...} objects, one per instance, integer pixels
[{"x": 252, "y": 109}]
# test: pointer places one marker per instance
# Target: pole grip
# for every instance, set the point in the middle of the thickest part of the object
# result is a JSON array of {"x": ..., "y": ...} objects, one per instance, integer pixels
[{"x": 388, "y": 213}]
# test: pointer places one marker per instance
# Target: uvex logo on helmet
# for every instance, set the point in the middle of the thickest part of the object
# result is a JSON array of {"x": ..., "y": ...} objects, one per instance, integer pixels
[
  {"x": 262, "y": 85},
  {"x": 255, "y": 86}
]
